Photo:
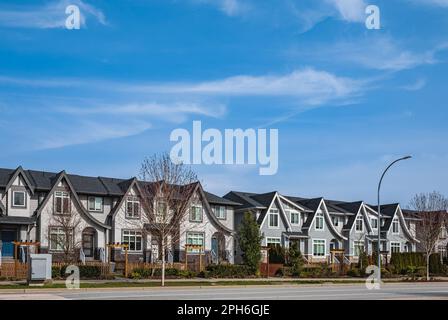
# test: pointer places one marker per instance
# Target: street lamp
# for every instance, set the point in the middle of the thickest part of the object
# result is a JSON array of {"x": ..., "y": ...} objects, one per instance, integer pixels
[{"x": 379, "y": 214}]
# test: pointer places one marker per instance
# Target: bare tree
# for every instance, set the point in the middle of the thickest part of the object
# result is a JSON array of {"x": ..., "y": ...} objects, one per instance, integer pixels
[
  {"x": 63, "y": 232},
  {"x": 167, "y": 189},
  {"x": 431, "y": 211}
]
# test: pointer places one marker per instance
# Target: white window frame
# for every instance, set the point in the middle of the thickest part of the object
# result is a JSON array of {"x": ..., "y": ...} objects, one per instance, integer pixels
[
  {"x": 134, "y": 200},
  {"x": 194, "y": 236},
  {"x": 273, "y": 240},
  {"x": 59, "y": 232},
  {"x": 359, "y": 218},
  {"x": 14, "y": 198},
  {"x": 336, "y": 221},
  {"x": 133, "y": 235},
  {"x": 194, "y": 219},
  {"x": 391, "y": 245},
  {"x": 319, "y": 215},
  {"x": 325, "y": 248},
  {"x": 220, "y": 212},
  {"x": 95, "y": 209},
  {"x": 298, "y": 217},
  {"x": 396, "y": 223},
  {"x": 63, "y": 195},
  {"x": 357, "y": 244},
  {"x": 371, "y": 222},
  {"x": 271, "y": 213}
]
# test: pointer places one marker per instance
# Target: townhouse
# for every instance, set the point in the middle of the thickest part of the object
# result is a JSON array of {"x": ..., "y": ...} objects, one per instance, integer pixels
[
  {"x": 33, "y": 205},
  {"x": 326, "y": 230},
  {"x": 110, "y": 210}
]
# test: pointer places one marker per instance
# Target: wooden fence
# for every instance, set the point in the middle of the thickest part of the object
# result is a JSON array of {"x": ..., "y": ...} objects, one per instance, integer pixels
[{"x": 11, "y": 270}]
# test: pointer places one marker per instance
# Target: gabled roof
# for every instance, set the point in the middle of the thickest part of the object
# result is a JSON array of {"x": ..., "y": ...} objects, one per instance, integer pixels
[
  {"x": 351, "y": 207},
  {"x": 387, "y": 213},
  {"x": 15, "y": 174},
  {"x": 59, "y": 177},
  {"x": 214, "y": 199},
  {"x": 245, "y": 199}
]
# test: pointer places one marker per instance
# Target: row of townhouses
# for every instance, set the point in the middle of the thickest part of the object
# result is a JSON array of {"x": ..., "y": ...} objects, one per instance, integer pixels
[{"x": 110, "y": 211}]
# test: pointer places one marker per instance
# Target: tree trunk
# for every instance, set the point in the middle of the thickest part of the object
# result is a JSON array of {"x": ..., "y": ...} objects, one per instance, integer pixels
[
  {"x": 163, "y": 262},
  {"x": 427, "y": 266}
]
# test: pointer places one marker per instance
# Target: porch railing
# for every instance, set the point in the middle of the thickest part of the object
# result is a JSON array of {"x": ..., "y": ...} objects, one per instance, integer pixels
[
  {"x": 82, "y": 256},
  {"x": 102, "y": 255}
]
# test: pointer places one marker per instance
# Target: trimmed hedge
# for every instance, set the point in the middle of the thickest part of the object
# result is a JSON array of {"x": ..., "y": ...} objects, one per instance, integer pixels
[
  {"x": 227, "y": 271},
  {"x": 410, "y": 263},
  {"x": 146, "y": 273},
  {"x": 85, "y": 272}
]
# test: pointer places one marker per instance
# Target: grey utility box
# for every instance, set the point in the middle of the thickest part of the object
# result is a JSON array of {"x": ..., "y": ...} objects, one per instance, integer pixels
[{"x": 39, "y": 268}]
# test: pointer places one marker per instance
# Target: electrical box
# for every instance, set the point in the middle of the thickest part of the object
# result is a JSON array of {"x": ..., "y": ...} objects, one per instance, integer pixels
[{"x": 39, "y": 268}]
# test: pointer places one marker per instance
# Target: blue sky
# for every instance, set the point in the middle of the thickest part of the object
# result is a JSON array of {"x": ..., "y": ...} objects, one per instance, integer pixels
[{"x": 346, "y": 100}]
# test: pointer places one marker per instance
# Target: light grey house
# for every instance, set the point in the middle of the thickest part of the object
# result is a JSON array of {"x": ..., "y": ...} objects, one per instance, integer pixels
[
  {"x": 107, "y": 210},
  {"x": 324, "y": 228}
]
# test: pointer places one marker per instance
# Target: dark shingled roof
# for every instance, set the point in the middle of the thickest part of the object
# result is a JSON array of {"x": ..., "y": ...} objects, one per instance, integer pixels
[
  {"x": 17, "y": 220},
  {"x": 245, "y": 199},
  {"x": 387, "y": 213},
  {"x": 5, "y": 175},
  {"x": 214, "y": 199}
]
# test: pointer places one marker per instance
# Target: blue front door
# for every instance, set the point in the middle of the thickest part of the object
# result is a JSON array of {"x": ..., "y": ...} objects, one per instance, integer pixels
[{"x": 7, "y": 237}]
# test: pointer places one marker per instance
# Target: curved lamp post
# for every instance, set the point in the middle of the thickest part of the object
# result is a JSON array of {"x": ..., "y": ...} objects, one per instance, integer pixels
[{"x": 379, "y": 214}]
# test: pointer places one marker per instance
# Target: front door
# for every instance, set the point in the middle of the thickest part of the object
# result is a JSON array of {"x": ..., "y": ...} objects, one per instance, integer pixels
[
  {"x": 7, "y": 237},
  {"x": 87, "y": 244}
]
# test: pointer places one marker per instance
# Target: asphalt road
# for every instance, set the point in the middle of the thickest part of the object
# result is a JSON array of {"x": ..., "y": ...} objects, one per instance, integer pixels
[{"x": 388, "y": 291}]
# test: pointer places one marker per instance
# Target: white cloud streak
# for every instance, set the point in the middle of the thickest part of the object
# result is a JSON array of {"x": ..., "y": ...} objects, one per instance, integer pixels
[{"x": 46, "y": 16}]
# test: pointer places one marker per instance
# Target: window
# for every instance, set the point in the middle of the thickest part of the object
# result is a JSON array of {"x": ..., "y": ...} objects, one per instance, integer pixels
[
  {"x": 96, "y": 204},
  {"x": 336, "y": 221},
  {"x": 294, "y": 217},
  {"x": 276, "y": 241},
  {"x": 374, "y": 223},
  {"x": 19, "y": 199},
  {"x": 442, "y": 232},
  {"x": 319, "y": 248},
  {"x": 358, "y": 247},
  {"x": 133, "y": 239},
  {"x": 395, "y": 225},
  {"x": 220, "y": 212},
  {"x": 196, "y": 239},
  {"x": 395, "y": 247},
  {"x": 132, "y": 207},
  {"x": 273, "y": 218},
  {"x": 359, "y": 224},
  {"x": 319, "y": 221},
  {"x": 196, "y": 214},
  {"x": 161, "y": 213},
  {"x": 62, "y": 202},
  {"x": 58, "y": 239}
]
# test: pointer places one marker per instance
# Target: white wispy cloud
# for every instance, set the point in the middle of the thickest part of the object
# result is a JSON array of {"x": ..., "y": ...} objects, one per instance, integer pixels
[
  {"x": 46, "y": 16},
  {"x": 417, "y": 85},
  {"x": 228, "y": 7},
  {"x": 350, "y": 10},
  {"x": 378, "y": 53},
  {"x": 310, "y": 85}
]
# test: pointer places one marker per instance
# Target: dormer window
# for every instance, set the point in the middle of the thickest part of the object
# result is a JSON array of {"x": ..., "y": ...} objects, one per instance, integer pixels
[
  {"x": 359, "y": 224},
  {"x": 220, "y": 212},
  {"x": 19, "y": 199},
  {"x": 395, "y": 226},
  {"x": 294, "y": 217},
  {"x": 161, "y": 213},
  {"x": 374, "y": 223},
  {"x": 132, "y": 207},
  {"x": 273, "y": 218},
  {"x": 196, "y": 213},
  {"x": 61, "y": 202},
  {"x": 319, "y": 221},
  {"x": 96, "y": 204}
]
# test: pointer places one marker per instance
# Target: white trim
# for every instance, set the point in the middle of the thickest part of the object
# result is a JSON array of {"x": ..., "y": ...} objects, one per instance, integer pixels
[
  {"x": 397, "y": 220},
  {"x": 276, "y": 238},
  {"x": 336, "y": 232},
  {"x": 292, "y": 203},
  {"x": 269, "y": 213},
  {"x": 315, "y": 221},
  {"x": 290, "y": 219},
  {"x": 395, "y": 242},
  {"x": 362, "y": 225},
  {"x": 24, "y": 199},
  {"x": 312, "y": 248}
]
